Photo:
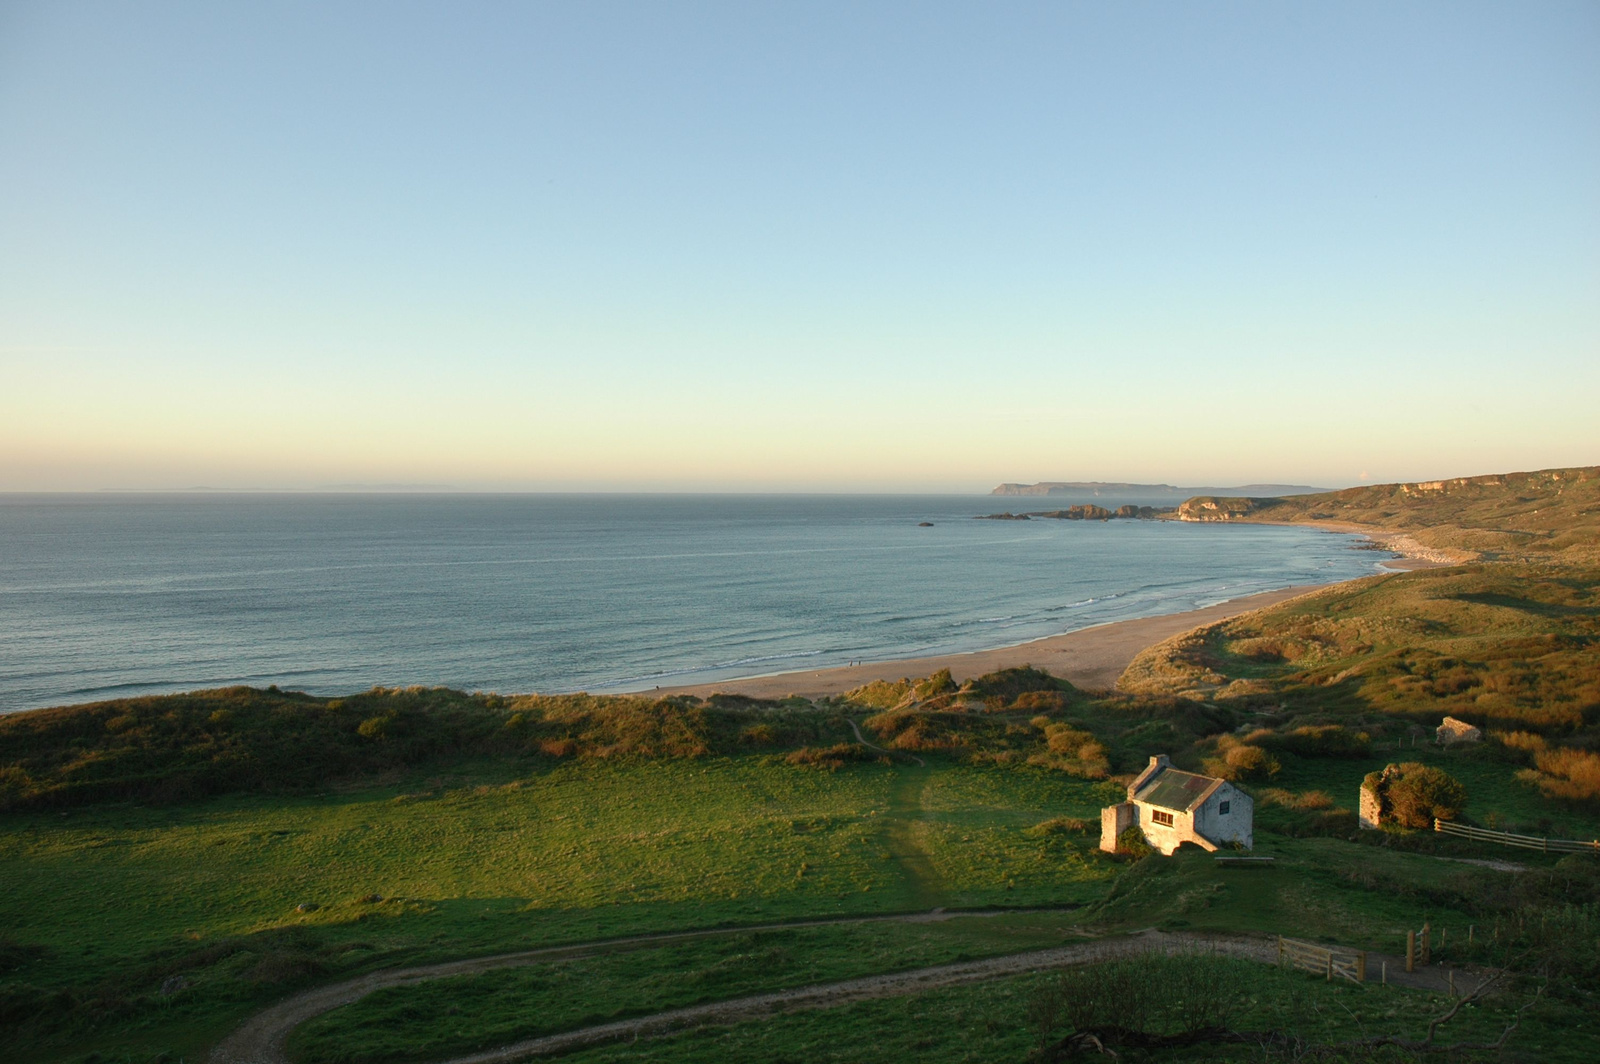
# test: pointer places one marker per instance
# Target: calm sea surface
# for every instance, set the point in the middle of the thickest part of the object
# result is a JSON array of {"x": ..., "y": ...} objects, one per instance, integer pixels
[{"x": 109, "y": 595}]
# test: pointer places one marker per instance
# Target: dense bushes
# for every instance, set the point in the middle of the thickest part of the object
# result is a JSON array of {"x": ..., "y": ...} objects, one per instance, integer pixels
[
  {"x": 235, "y": 739},
  {"x": 1145, "y": 994},
  {"x": 1565, "y": 773},
  {"x": 1327, "y": 740},
  {"x": 1072, "y": 750},
  {"x": 830, "y": 757},
  {"x": 1238, "y": 761},
  {"x": 240, "y": 739}
]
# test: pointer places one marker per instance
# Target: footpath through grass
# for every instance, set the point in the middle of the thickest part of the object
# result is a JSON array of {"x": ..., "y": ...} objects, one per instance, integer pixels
[
  {"x": 448, "y": 1017},
  {"x": 140, "y": 931}
]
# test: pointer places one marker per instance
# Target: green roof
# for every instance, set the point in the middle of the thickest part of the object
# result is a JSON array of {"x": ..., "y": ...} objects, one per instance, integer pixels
[{"x": 1172, "y": 789}]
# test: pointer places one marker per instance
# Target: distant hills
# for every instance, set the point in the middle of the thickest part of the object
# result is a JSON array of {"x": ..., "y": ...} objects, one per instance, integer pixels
[
  {"x": 1099, "y": 488},
  {"x": 1500, "y": 515}
]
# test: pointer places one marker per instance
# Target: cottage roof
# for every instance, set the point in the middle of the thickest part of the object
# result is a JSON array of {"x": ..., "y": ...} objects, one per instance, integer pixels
[{"x": 1172, "y": 789}]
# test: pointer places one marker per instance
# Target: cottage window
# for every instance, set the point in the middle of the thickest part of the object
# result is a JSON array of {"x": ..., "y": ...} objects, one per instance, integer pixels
[
  {"x": 1222, "y": 808},
  {"x": 1162, "y": 817}
]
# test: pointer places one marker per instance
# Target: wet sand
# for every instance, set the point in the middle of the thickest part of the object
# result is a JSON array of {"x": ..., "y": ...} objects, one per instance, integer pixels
[{"x": 1090, "y": 657}]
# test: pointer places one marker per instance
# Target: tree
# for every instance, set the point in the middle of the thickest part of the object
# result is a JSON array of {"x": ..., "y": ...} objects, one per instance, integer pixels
[{"x": 1416, "y": 794}]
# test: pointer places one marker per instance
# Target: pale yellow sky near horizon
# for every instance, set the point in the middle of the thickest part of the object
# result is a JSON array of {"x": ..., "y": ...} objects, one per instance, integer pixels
[
  {"x": 843, "y": 247},
  {"x": 141, "y": 429}
]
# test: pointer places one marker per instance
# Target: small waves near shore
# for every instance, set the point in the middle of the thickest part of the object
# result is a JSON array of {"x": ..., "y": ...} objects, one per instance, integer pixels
[{"x": 105, "y": 596}]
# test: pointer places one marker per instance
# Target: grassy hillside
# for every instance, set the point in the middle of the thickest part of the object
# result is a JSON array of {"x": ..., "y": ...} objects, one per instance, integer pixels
[
  {"x": 170, "y": 865},
  {"x": 133, "y": 928},
  {"x": 1509, "y": 514}
]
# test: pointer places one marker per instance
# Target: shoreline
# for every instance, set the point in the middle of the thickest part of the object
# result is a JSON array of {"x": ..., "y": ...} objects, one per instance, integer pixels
[{"x": 1092, "y": 658}]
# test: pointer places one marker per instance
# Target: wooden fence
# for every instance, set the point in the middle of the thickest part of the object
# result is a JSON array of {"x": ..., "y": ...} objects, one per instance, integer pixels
[
  {"x": 1526, "y": 842},
  {"x": 1327, "y": 962}
]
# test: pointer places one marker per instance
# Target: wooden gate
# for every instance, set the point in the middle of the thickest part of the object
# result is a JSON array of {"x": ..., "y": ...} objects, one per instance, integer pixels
[{"x": 1326, "y": 961}]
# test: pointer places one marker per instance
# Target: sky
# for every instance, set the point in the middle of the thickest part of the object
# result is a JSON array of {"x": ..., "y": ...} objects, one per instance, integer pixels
[{"x": 859, "y": 246}]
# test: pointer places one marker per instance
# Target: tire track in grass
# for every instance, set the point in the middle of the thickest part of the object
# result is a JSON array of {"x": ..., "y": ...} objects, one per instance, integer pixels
[
  {"x": 906, "y": 810},
  {"x": 263, "y": 1038}
]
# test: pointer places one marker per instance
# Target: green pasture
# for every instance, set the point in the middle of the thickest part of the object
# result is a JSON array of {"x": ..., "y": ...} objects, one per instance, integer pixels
[
  {"x": 446, "y": 1017},
  {"x": 1495, "y": 796},
  {"x": 109, "y": 903},
  {"x": 990, "y": 1022}
]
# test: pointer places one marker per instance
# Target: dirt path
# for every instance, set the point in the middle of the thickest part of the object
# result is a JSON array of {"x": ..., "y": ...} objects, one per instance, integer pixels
[
  {"x": 896, "y": 754},
  {"x": 905, "y": 815},
  {"x": 263, "y": 1038},
  {"x": 831, "y": 995}
]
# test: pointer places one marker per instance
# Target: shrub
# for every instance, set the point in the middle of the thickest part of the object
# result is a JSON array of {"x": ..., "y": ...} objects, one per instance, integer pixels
[
  {"x": 1329, "y": 740},
  {"x": 1147, "y": 994},
  {"x": 1417, "y": 793},
  {"x": 1133, "y": 843},
  {"x": 1066, "y": 740},
  {"x": 1074, "y": 751},
  {"x": 1041, "y": 702},
  {"x": 1526, "y": 741},
  {"x": 176, "y": 747},
  {"x": 1238, "y": 761},
  {"x": 831, "y": 758},
  {"x": 1309, "y": 800},
  {"x": 1566, "y": 773}
]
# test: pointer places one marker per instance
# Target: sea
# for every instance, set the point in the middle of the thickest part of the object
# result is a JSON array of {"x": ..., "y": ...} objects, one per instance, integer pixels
[{"x": 110, "y": 595}]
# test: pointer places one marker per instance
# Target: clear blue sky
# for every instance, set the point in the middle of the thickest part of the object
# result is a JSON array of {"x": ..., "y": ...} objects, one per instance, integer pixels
[{"x": 855, "y": 246}]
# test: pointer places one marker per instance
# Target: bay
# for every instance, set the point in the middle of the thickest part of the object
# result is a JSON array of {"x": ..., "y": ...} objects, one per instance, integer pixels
[{"x": 107, "y": 595}]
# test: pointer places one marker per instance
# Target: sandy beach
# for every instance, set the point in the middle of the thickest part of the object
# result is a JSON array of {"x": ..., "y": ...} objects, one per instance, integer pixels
[{"x": 1091, "y": 658}]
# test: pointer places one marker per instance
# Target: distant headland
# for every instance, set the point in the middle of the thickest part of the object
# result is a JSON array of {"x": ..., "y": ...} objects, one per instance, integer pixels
[{"x": 1177, "y": 494}]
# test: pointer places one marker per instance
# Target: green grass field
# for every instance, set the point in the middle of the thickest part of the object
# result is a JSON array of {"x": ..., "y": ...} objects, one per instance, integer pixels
[
  {"x": 169, "y": 866},
  {"x": 453, "y": 1016},
  {"x": 103, "y": 906},
  {"x": 108, "y": 903},
  {"x": 989, "y": 1022}
]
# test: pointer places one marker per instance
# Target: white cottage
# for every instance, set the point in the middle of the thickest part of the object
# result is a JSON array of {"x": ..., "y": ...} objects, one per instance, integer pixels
[{"x": 1171, "y": 808}]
